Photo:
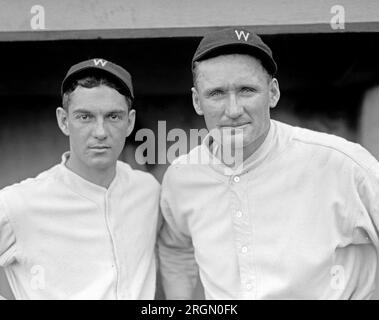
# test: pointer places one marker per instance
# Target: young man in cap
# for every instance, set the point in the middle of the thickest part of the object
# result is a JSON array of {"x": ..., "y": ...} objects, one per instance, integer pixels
[
  {"x": 86, "y": 228},
  {"x": 296, "y": 218}
]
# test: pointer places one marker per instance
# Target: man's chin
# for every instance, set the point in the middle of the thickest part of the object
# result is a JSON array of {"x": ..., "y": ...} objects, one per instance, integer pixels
[
  {"x": 229, "y": 138},
  {"x": 101, "y": 163},
  {"x": 233, "y": 142}
]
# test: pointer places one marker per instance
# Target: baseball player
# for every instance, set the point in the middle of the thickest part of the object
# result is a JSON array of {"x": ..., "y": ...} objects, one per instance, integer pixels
[
  {"x": 86, "y": 228},
  {"x": 297, "y": 220}
]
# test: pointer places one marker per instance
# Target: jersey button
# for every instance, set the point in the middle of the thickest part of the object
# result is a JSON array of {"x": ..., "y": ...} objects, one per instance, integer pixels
[
  {"x": 249, "y": 286},
  {"x": 236, "y": 179}
]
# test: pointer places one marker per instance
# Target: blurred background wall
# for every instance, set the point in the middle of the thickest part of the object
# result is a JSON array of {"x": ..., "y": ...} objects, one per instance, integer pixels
[{"x": 329, "y": 78}]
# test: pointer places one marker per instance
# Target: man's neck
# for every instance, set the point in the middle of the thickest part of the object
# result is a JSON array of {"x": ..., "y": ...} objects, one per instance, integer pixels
[
  {"x": 102, "y": 178},
  {"x": 240, "y": 156}
]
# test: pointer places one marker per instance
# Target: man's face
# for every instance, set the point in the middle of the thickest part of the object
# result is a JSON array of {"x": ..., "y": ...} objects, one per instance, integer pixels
[
  {"x": 97, "y": 122},
  {"x": 235, "y": 93}
]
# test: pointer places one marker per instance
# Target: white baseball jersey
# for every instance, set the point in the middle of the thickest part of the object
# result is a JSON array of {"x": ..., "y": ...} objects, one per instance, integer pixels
[
  {"x": 63, "y": 237},
  {"x": 300, "y": 221}
]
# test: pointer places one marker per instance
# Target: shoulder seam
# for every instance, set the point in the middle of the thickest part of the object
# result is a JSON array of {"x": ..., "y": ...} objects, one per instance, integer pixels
[
  {"x": 365, "y": 167},
  {"x": 31, "y": 180}
]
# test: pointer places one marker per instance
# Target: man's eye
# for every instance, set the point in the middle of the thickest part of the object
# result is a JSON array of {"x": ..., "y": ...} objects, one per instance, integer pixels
[
  {"x": 247, "y": 90},
  {"x": 215, "y": 93},
  {"x": 83, "y": 117},
  {"x": 114, "y": 117}
]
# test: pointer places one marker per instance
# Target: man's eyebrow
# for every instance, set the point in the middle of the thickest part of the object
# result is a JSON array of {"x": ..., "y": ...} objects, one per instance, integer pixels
[
  {"x": 250, "y": 85},
  {"x": 81, "y": 111},
  {"x": 217, "y": 88},
  {"x": 116, "y": 111}
]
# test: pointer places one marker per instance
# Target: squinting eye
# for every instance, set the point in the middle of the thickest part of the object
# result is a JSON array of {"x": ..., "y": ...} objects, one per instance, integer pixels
[
  {"x": 247, "y": 90},
  {"x": 215, "y": 93}
]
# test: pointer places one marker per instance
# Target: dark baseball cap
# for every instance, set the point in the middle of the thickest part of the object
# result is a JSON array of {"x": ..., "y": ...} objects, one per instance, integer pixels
[
  {"x": 99, "y": 66},
  {"x": 235, "y": 40}
]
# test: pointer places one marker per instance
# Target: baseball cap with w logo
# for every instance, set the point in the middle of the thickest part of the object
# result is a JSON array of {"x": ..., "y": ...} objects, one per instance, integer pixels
[
  {"x": 97, "y": 67},
  {"x": 235, "y": 40}
]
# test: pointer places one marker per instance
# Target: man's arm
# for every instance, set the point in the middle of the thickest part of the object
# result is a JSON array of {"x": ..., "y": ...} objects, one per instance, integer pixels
[
  {"x": 178, "y": 267},
  {"x": 7, "y": 240},
  {"x": 365, "y": 205},
  {"x": 5, "y": 290}
]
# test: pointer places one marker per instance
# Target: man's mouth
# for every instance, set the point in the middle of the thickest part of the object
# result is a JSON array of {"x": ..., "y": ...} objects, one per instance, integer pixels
[
  {"x": 99, "y": 147},
  {"x": 235, "y": 126}
]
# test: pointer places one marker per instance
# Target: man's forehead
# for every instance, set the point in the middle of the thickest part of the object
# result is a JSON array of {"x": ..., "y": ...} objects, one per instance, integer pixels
[
  {"x": 222, "y": 60},
  {"x": 231, "y": 67},
  {"x": 97, "y": 98},
  {"x": 95, "y": 109},
  {"x": 102, "y": 92}
]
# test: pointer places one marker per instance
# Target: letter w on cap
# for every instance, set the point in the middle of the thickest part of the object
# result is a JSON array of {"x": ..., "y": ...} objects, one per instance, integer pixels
[
  {"x": 99, "y": 61},
  {"x": 241, "y": 33}
]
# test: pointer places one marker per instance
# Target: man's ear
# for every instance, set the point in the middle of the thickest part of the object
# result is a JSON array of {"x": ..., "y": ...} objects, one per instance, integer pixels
[
  {"x": 196, "y": 102},
  {"x": 274, "y": 93},
  {"x": 131, "y": 122},
  {"x": 62, "y": 119}
]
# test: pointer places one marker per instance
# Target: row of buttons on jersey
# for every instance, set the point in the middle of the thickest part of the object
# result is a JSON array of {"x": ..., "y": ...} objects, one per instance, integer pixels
[{"x": 250, "y": 284}]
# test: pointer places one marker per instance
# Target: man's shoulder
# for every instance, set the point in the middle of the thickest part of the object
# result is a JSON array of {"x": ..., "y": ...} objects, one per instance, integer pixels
[
  {"x": 186, "y": 168},
  {"x": 195, "y": 157},
  {"x": 137, "y": 176},
  {"x": 31, "y": 185},
  {"x": 333, "y": 145}
]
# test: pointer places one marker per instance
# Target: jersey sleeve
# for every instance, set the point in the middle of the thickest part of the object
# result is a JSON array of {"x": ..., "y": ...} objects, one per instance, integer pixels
[
  {"x": 178, "y": 268},
  {"x": 366, "y": 208},
  {"x": 7, "y": 238}
]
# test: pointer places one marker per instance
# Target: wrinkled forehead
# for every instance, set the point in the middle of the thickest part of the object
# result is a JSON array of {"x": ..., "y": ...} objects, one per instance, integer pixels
[
  {"x": 231, "y": 66},
  {"x": 235, "y": 59}
]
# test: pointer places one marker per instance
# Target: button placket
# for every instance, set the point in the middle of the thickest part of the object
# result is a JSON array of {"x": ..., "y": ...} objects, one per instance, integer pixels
[
  {"x": 242, "y": 228},
  {"x": 242, "y": 237}
]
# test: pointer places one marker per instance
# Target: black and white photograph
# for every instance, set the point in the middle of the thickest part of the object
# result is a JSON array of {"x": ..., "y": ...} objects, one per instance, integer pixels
[{"x": 212, "y": 151}]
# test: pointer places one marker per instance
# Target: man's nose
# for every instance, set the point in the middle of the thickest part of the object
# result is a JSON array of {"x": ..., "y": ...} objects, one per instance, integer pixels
[
  {"x": 99, "y": 130},
  {"x": 233, "y": 108}
]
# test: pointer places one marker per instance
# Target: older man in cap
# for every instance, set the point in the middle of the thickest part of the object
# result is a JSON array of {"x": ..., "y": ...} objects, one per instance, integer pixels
[
  {"x": 296, "y": 217},
  {"x": 86, "y": 228}
]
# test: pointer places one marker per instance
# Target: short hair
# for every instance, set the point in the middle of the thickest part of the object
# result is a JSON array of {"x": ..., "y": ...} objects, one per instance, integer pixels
[
  {"x": 93, "y": 81},
  {"x": 196, "y": 63}
]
